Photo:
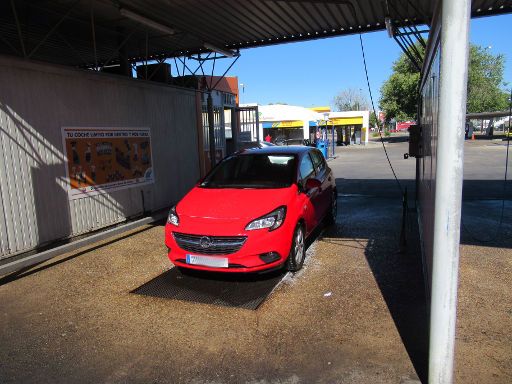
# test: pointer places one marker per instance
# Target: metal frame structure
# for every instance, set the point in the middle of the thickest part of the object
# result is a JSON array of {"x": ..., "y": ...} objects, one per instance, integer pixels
[
  {"x": 96, "y": 34},
  {"x": 92, "y": 33}
]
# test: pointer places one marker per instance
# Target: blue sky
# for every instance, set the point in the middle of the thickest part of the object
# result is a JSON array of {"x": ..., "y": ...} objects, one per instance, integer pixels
[{"x": 312, "y": 73}]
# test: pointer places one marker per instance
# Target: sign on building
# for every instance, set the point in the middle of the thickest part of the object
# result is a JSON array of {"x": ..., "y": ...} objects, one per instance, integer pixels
[{"x": 101, "y": 160}]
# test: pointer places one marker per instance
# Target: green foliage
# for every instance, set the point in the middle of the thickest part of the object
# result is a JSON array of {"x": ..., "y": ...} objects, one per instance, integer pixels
[
  {"x": 484, "y": 80},
  {"x": 399, "y": 93},
  {"x": 373, "y": 119}
]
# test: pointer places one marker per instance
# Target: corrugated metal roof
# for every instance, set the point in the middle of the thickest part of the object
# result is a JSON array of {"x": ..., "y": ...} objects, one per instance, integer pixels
[{"x": 229, "y": 24}]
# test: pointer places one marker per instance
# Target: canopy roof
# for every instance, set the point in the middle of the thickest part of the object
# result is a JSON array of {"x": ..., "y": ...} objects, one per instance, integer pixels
[
  {"x": 86, "y": 32},
  {"x": 283, "y": 112}
]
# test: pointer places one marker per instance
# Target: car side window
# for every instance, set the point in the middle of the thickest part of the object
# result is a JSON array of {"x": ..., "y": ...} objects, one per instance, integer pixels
[
  {"x": 318, "y": 161},
  {"x": 306, "y": 167}
]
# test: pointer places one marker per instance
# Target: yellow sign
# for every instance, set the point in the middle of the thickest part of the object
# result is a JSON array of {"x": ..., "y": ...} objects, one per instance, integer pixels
[
  {"x": 288, "y": 124},
  {"x": 346, "y": 120},
  {"x": 321, "y": 109}
]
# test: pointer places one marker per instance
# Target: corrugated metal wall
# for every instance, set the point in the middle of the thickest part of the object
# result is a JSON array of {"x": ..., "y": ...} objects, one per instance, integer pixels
[
  {"x": 36, "y": 101},
  {"x": 427, "y": 162}
]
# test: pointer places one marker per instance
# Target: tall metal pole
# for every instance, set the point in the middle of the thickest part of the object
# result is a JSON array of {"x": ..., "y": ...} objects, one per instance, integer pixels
[
  {"x": 257, "y": 125},
  {"x": 448, "y": 195},
  {"x": 211, "y": 128},
  {"x": 235, "y": 128}
]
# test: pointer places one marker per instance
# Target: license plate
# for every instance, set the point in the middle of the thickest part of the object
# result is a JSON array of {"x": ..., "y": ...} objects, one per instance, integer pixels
[{"x": 207, "y": 261}]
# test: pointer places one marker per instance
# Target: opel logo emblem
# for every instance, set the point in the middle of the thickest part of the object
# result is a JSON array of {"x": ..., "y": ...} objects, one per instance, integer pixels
[{"x": 205, "y": 242}]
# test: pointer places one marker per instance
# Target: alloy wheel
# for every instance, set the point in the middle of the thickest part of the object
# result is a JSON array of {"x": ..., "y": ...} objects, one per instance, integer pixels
[{"x": 299, "y": 246}]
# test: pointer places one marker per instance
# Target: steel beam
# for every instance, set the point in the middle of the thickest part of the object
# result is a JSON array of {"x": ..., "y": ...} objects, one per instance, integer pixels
[
  {"x": 18, "y": 27},
  {"x": 455, "y": 16},
  {"x": 116, "y": 51},
  {"x": 54, "y": 28}
]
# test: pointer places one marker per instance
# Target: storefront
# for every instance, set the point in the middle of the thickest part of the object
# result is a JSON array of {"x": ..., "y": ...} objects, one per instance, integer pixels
[
  {"x": 287, "y": 124},
  {"x": 350, "y": 127}
]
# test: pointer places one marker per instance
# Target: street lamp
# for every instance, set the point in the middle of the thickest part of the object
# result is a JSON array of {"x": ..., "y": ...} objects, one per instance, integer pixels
[{"x": 243, "y": 91}]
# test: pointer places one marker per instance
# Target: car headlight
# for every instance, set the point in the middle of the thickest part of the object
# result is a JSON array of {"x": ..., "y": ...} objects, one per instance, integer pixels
[
  {"x": 272, "y": 220},
  {"x": 172, "y": 217}
]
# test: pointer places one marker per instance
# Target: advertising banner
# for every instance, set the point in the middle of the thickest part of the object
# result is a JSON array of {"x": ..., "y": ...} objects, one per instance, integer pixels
[
  {"x": 288, "y": 124},
  {"x": 100, "y": 160}
]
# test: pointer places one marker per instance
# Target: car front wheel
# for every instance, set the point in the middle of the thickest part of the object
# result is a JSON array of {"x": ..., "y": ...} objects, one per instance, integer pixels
[{"x": 297, "y": 251}]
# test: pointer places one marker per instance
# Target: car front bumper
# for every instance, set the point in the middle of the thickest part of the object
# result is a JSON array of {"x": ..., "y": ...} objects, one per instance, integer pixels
[{"x": 253, "y": 256}]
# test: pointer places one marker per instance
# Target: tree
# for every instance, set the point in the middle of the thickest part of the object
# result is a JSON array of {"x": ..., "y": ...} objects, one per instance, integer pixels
[
  {"x": 351, "y": 99},
  {"x": 484, "y": 80},
  {"x": 399, "y": 93}
]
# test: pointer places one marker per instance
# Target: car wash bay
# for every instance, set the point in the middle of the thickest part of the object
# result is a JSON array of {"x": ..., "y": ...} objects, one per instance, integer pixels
[
  {"x": 75, "y": 318},
  {"x": 84, "y": 322},
  {"x": 355, "y": 313}
]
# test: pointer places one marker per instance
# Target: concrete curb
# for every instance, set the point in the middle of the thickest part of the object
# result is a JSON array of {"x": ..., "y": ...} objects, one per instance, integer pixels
[{"x": 46, "y": 255}]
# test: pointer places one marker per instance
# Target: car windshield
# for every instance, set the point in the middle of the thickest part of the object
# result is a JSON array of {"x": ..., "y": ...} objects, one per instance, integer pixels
[{"x": 253, "y": 171}]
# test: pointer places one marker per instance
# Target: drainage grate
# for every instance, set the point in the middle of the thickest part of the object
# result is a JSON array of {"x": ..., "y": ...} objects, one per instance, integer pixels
[{"x": 231, "y": 290}]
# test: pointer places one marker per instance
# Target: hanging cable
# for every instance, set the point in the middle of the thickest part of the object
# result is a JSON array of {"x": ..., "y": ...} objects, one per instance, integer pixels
[{"x": 375, "y": 113}]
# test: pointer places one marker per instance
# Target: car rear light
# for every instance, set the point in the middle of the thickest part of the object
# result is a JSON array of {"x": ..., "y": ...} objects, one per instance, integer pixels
[{"x": 269, "y": 257}]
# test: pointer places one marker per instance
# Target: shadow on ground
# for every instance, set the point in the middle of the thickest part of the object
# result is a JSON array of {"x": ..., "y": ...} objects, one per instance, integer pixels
[
  {"x": 396, "y": 267},
  {"x": 392, "y": 139}
]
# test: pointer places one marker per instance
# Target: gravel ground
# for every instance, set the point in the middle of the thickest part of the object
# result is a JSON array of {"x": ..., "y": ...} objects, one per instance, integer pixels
[
  {"x": 75, "y": 321},
  {"x": 355, "y": 314}
]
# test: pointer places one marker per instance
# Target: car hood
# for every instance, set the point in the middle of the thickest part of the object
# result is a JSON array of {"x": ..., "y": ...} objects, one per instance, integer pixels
[{"x": 227, "y": 203}]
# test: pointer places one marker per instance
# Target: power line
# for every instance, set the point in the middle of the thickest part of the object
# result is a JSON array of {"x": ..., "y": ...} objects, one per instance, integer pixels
[{"x": 375, "y": 113}]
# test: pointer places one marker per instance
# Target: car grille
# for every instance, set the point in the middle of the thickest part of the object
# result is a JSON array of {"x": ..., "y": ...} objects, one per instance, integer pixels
[{"x": 209, "y": 245}]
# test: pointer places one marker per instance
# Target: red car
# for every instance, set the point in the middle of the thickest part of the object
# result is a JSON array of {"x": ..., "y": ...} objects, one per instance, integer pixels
[{"x": 253, "y": 211}]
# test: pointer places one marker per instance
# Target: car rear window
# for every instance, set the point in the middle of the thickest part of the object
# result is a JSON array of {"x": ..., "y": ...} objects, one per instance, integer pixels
[{"x": 253, "y": 171}]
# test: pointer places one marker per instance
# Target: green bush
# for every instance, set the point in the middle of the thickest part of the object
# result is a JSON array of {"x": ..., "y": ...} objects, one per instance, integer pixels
[{"x": 387, "y": 134}]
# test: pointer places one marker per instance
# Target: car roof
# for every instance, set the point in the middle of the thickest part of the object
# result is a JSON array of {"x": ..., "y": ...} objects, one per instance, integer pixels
[{"x": 278, "y": 150}]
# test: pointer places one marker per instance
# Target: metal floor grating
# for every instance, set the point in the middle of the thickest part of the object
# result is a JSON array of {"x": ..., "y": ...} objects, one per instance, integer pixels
[{"x": 233, "y": 290}]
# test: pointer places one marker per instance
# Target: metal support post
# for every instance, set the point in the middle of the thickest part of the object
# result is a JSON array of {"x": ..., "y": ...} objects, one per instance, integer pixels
[
  {"x": 93, "y": 30},
  {"x": 448, "y": 194},
  {"x": 333, "y": 143},
  {"x": 257, "y": 125},
  {"x": 124, "y": 64},
  {"x": 211, "y": 128},
  {"x": 235, "y": 128}
]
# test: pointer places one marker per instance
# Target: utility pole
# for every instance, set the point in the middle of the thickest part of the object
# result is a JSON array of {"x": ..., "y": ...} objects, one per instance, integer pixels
[{"x": 455, "y": 16}]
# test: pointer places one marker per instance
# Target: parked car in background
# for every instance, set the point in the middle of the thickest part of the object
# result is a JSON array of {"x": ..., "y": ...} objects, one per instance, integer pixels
[
  {"x": 253, "y": 211},
  {"x": 264, "y": 144}
]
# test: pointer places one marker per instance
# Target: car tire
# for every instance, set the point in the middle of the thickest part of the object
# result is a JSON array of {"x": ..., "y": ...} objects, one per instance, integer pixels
[
  {"x": 298, "y": 250},
  {"x": 333, "y": 209}
]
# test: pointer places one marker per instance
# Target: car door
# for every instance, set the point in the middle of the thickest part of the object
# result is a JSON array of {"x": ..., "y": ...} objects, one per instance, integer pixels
[
  {"x": 323, "y": 174},
  {"x": 311, "y": 198}
]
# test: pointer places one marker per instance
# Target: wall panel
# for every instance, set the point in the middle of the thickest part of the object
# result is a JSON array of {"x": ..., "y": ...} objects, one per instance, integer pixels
[{"x": 36, "y": 101}]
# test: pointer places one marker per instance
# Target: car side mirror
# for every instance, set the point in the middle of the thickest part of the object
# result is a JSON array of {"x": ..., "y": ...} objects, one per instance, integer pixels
[{"x": 312, "y": 183}]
